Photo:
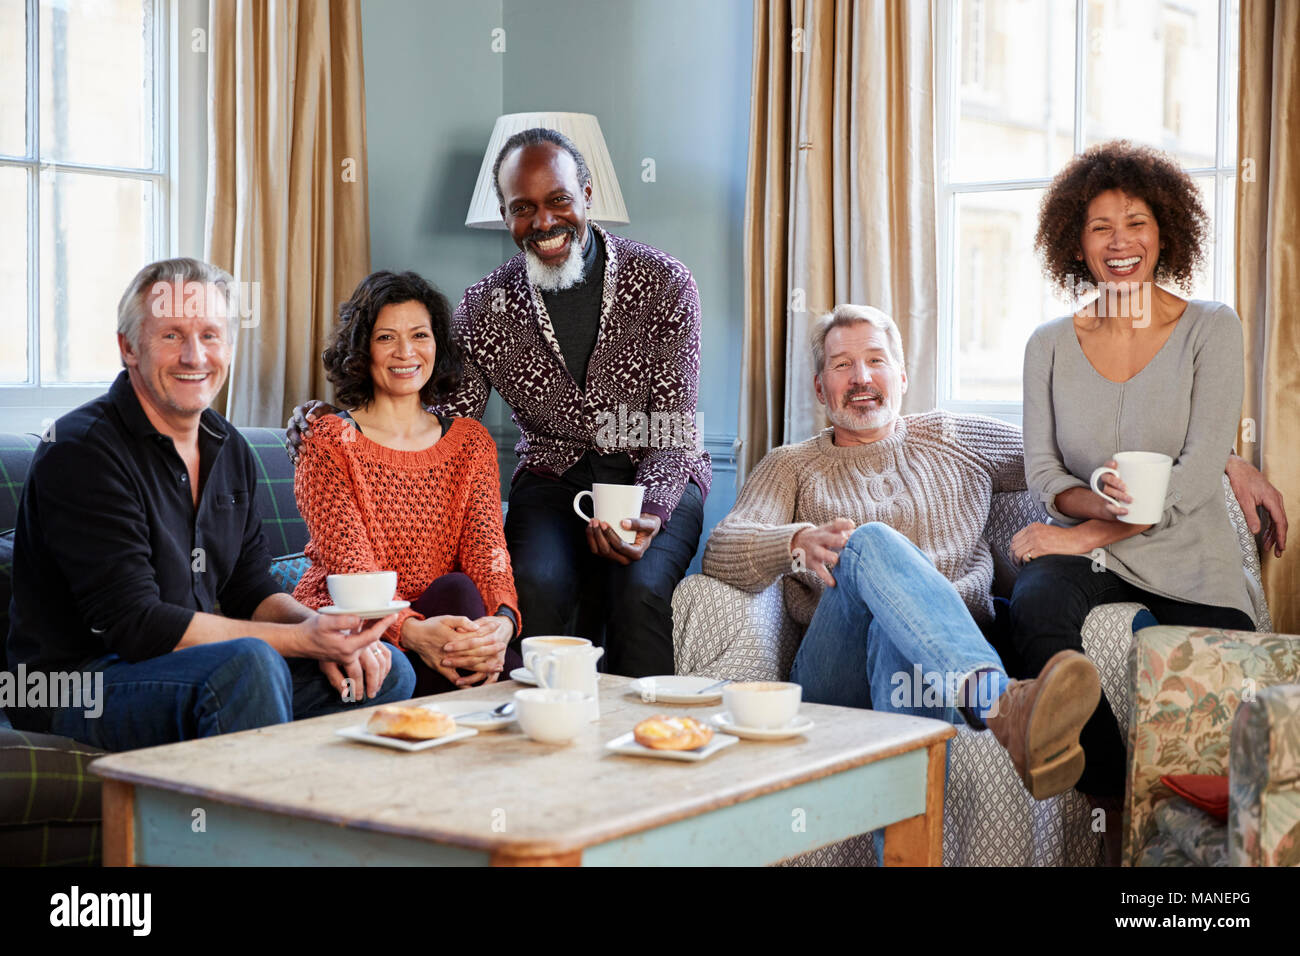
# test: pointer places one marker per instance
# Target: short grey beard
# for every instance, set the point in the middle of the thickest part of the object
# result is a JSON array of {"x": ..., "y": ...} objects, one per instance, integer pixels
[{"x": 554, "y": 278}]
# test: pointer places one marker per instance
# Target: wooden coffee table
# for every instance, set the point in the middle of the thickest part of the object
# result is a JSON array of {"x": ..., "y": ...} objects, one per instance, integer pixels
[{"x": 298, "y": 794}]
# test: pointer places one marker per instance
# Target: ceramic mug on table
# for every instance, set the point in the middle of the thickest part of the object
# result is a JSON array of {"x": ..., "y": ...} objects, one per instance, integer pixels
[
  {"x": 612, "y": 504},
  {"x": 1146, "y": 478},
  {"x": 568, "y": 668},
  {"x": 366, "y": 591},
  {"x": 762, "y": 704},
  {"x": 551, "y": 716}
]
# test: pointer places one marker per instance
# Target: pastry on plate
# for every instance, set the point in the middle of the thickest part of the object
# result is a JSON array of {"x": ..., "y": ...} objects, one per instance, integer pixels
[
  {"x": 410, "y": 723},
  {"x": 662, "y": 732}
]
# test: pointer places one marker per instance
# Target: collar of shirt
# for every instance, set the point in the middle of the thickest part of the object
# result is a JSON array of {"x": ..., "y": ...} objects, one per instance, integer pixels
[{"x": 212, "y": 435}]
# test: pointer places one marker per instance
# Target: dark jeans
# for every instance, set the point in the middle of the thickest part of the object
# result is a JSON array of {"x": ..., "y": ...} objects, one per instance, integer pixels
[
  {"x": 211, "y": 689},
  {"x": 565, "y": 589},
  {"x": 453, "y": 593},
  {"x": 1052, "y": 596}
]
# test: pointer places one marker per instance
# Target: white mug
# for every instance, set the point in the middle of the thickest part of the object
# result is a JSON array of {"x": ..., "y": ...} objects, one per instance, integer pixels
[
  {"x": 568, "y": 668},
  {"x": 612, "y": 504},
  {"x": 1146, "y": 477},
  {"x": 550, "y": 716}
]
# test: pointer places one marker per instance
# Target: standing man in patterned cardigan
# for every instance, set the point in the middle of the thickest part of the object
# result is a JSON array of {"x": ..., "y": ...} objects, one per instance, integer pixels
[{"x": 594, "y": 342}]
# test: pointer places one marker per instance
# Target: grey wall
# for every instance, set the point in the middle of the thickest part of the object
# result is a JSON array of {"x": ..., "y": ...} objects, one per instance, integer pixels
[{"x": 669, "y": 81}]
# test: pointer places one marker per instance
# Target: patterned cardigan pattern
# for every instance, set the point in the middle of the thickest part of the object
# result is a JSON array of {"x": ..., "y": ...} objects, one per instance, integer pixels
[{"x": 643, "y": 378}]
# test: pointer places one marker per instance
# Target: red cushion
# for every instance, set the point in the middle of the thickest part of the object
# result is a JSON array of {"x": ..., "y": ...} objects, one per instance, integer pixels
[{"x": 1204, "y": 790}]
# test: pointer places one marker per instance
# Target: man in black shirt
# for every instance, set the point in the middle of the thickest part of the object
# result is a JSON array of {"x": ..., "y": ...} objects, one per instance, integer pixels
[{"x": 137, "y": 522}]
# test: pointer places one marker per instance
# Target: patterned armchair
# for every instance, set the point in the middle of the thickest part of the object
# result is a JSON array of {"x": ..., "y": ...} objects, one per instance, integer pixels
[
  {"x": 1187, "y": 685},
  {"x": 989, "y": 818}
]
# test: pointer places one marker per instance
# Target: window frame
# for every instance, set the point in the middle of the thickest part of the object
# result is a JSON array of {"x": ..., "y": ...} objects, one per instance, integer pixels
[
  {"x": 948, "y": 84},
  {"x": 32, "y": 404}
]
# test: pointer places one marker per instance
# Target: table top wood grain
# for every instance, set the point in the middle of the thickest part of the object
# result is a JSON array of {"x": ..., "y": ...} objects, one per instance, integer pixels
[{"x": 501, "y": 791}]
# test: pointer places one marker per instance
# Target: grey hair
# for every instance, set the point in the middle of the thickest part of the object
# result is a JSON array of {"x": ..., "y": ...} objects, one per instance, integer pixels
[
  {"x": 131, "y": 307},
  {"x": 534, "y": 137},
  {"x": 849, "y": 314}
]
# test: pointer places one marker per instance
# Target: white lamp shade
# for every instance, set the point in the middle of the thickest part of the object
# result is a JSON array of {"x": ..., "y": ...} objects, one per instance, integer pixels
[{"x": 584, "y": 129}]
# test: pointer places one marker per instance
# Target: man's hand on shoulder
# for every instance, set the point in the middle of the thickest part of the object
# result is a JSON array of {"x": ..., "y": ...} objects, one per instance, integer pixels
[
  {"x": 299, "y": 425},
  {"x": 1254, "y": 491},
  {"x": 818, "y": 549}
]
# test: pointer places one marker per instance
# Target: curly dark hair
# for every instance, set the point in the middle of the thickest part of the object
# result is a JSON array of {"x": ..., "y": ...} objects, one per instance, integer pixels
[
  {"x": 1140, "y": 172},
  {"x": 347, "y": 361}
]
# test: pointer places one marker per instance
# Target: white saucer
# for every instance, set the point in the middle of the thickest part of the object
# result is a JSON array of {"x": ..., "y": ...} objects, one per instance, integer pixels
[
  {"x": 675, "y": 689},
  {"x": 454, "y": 710},
  {"x": 524, "y": 676},
  {"x": 628, "y": 746},
  {"x": 367, "y": 613},
  {"x": 359, "y": 733},
  {"x": 799, "y": 725}
]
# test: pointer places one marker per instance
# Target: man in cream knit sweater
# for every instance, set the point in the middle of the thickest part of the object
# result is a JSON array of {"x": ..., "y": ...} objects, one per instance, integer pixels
[{"x": 877, "y": 524}]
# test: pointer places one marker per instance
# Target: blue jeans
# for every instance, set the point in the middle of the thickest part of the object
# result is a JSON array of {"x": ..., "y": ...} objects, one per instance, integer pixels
[
  {"x": 211, "y": 689},
  {"x": 894, "y": 635}
]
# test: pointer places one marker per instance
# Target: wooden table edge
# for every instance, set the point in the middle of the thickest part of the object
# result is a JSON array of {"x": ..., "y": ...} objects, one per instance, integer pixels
[{"x": 123, "y": 782}]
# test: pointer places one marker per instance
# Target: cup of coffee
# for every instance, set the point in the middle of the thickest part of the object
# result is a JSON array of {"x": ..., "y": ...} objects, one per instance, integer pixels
[
  {"x": 762, "y": 704},
  {"x": 545, "y": 643},
  {"x": 549, "y": 715},
  {"x": 568, "y": 668},
  {"x": 612, "y": 504},
  {"x": 1146, "y": 477},
  {"x": 366, "y": 591}
]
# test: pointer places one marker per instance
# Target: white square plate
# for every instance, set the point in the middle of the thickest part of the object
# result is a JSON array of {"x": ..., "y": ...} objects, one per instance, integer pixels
[
  {"x": 675, "y": 689},
  {"x": 359, "y": 733},
  {"x": 627, "y": 745}
]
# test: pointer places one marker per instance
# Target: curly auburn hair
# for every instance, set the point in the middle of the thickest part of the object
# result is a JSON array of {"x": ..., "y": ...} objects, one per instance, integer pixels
[
  {"x": 347, "y": 361},
  {"x": 1137, "y": 171}
]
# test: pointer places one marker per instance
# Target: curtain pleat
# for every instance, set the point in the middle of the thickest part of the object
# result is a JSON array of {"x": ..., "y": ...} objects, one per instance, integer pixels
[
  {"x": 1268, "y": 267},
  {"x": 287, "y": 200}
]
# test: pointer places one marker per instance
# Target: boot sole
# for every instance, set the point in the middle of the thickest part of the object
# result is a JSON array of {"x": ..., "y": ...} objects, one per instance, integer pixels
[{"x": 1054, "y": 760}]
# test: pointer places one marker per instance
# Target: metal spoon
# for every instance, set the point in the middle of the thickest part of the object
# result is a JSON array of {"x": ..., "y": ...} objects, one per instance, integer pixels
[{"x": 497, "y": 713}]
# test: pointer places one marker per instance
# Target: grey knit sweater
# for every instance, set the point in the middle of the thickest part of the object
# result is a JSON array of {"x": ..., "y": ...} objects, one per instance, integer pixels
[{"x": 932, "y": 480}]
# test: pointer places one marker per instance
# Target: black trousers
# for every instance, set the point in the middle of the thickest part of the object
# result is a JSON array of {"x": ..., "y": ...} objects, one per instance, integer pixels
[
  {"x": 565, "y": 589},
  {"x": 1052, "y": 596}
]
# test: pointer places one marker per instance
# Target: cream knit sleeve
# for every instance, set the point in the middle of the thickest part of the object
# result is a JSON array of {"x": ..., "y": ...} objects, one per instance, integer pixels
[{"x": 750, "y": 548}]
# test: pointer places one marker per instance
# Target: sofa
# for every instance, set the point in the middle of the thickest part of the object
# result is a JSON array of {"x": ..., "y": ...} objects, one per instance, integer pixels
[
  {"x": 1218, "y": 703},
  {"x": 49, "y": 802},
  {"x": 989, "y": 818}
]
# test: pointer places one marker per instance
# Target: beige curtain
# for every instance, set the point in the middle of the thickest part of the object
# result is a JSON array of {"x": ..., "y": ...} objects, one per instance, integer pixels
[
  {"x": 1268, "y": 268},
  {"x": 840, "y": 204},
  {"x": 287, "y": 206}
]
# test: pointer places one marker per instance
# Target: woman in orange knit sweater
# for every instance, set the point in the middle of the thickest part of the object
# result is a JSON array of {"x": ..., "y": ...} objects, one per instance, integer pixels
[{"x": 390, "y": 486}]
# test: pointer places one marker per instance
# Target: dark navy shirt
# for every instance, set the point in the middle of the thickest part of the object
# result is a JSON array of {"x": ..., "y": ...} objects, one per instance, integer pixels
[{"x": 110, "y": 554}]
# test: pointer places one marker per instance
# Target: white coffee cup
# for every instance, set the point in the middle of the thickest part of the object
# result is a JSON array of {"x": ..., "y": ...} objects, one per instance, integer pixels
[
  {"x": 1146, "y": 478},
  {"x": 613, "y": 504},
  {"x": 568, "y": 668},
  {"x": 549, "y": 715},
  {"x": 545, "y": 643},
  {"x": 762, "y": 704},
  {"x": 367, "y": 591}
]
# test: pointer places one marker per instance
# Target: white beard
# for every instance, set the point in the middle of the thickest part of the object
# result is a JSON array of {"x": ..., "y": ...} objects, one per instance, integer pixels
[
  {"x": 854, "y": 420},
  {"x": 554, "y": 278}
]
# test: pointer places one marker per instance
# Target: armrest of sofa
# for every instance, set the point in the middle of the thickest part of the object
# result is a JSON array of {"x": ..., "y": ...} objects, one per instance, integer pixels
[
  {"x": 721, "y": 631},
  {"x": 1187, "y": 683},
  {"x": 1264, "y": 780}
]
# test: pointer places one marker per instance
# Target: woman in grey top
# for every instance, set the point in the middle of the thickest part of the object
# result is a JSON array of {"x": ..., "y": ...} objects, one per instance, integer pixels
[{"x": 1136, "y": 369}]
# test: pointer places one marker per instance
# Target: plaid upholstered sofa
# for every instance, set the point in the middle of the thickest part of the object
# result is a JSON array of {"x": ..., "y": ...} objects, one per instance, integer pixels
[
  {"x": 1220, "y": 703},
  {"x": 989, "y": 818},
  {"x": 49, "y": 803}
]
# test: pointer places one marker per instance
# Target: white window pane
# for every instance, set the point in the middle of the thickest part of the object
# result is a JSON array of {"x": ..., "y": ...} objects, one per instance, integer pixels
[
  {"x": 13, "y": 78},
  {"x": 1015, "y": 89},
  {"x": 97, "y": 82},
  {"x": 1203, "y": 284},
  {"x": 1151, "y": 75},
  {"x": 13, "y": 274},
  {"x": 1228, "y": 247},
  {"x": 96, "y": 233},
  {"x": 999, "y": 293}
]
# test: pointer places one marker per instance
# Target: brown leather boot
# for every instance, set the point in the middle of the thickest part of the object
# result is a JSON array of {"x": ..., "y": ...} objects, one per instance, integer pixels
[{"x": 1038, "y": 722}]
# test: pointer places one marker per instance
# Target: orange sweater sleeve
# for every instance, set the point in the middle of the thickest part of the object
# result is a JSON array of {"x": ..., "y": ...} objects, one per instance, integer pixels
[
  {"x": 329, "y": 504},
  {"x": 481, "y": 551}
]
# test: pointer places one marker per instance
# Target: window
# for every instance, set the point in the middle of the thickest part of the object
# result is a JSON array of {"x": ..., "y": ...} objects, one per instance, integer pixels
[
  {"x": 84, "y": 187},
  {"x": 1023, "y": 86}
]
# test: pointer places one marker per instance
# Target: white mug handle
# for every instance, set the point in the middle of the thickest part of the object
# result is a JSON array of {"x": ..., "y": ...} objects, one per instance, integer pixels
[
  {"x": 1093, "y": 482},
  {"x": 578, "y": 511},
  {"x": 540, "y": 664}
]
